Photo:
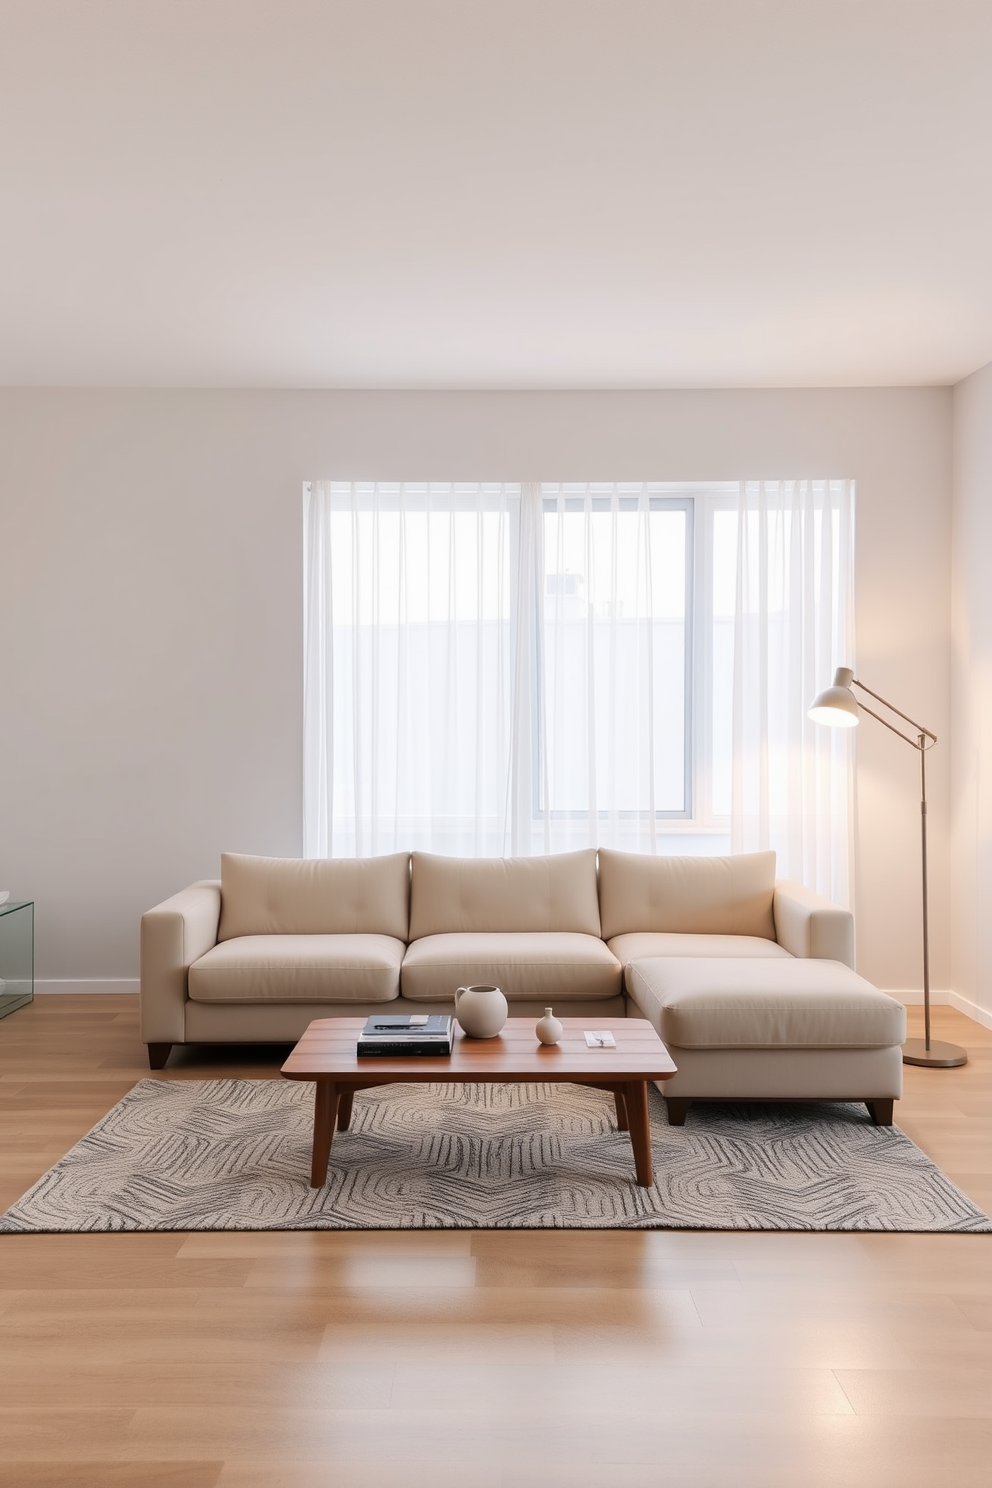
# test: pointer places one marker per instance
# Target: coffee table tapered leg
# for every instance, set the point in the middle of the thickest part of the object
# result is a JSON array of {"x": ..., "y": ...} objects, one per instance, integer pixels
[
  {"x": 640, "y": 1130},
  {"x": 344, "y": 1109},
  {"x": 325, "y": 1110},
  {"x": 621, "y": 1105}
]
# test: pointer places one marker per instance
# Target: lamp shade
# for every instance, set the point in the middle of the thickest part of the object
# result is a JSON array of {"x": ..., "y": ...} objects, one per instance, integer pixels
[{"x": 836, "y": 706}]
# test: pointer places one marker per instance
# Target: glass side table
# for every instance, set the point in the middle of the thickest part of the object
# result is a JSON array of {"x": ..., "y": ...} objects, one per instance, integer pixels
[{"x": 16, "y": 954}]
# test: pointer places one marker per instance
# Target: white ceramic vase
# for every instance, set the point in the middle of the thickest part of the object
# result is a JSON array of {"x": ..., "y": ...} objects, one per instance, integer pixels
[
  {"x": 549, "y": 1028},
  {"x": 481, "y": 1011}
]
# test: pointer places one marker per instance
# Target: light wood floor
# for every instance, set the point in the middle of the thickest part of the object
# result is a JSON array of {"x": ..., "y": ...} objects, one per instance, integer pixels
[{"x": 481, "y": 1360}]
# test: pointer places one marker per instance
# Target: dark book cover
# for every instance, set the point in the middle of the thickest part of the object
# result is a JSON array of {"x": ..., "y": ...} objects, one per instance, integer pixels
[{"x": 391, "y": 1035}]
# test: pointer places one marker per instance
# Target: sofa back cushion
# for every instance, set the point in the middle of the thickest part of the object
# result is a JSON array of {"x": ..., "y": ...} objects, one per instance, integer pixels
[
  {"x": 689, "y": 896},
  {"x": 314, "y": 896},
  {"x": 451, "y": 895}
]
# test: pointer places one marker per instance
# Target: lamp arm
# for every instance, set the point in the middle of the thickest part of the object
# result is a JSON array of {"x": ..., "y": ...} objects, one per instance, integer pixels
[
  {"x": 892, "y": 728},
  {"x": 898, "y": 712}
]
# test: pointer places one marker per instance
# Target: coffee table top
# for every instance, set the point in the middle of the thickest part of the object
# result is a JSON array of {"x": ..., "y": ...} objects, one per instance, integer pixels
[{"x": 328, "y": 1050}]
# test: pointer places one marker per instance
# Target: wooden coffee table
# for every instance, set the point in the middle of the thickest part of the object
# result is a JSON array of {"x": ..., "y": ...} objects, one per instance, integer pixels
[{"x": 326, "y": 1054}]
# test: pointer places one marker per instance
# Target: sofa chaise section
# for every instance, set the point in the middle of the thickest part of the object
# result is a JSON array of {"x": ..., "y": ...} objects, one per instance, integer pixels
[
  {"x": 749, "y": 982},
  {"x": 752, "y": 1029}
]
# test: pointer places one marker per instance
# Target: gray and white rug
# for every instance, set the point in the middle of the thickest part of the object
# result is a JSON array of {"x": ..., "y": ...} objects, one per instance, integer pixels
[{"x": 235, "y": 1155}]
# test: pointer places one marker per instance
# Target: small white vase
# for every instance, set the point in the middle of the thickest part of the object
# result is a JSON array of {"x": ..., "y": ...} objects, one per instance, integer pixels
[
  {"x": 549, "y": 1028},
  {"x": 481, "y": 1011}
]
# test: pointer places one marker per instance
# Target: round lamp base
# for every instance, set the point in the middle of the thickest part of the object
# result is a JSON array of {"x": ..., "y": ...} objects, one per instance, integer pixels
[{"x": 938, "y": 1056}]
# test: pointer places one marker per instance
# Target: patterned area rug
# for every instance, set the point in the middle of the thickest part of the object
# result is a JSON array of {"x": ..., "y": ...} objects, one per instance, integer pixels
[{"x": 235, "y": 1155}]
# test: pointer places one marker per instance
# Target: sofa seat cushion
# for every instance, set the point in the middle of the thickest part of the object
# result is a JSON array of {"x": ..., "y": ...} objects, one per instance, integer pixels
[
  {"x": 644, "y": 944},
  {"x": 528, "y": 965},
  {"x": 725, "y": 1003},
  {"x": 299, "y": 968}
]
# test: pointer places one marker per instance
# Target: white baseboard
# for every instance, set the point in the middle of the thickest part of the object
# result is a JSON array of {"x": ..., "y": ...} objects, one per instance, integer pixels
[
  {"x": 913, "y": 996},
  {"x": 88, "y": 984},
  {"x": 971, "y": 1010},
  {"x": 942, "y": 997}
]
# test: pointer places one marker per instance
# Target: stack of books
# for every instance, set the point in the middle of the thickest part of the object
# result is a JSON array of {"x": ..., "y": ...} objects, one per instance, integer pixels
[{"x": 388, "y": 1036}]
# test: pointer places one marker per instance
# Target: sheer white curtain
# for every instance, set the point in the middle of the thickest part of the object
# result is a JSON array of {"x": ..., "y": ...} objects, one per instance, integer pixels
[
  {"x": 615, "y": 665},
  {"x": 409, "y": 666},
  {"x": 792, "y": 782}
]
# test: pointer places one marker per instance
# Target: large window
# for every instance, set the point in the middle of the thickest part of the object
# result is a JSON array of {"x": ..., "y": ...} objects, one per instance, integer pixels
[{"x": 511, "y": 668}]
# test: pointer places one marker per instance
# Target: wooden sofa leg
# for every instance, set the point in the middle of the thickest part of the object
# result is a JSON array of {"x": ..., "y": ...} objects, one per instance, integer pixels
[
  {"x": 880, "y": 1111},
  {"x": 678, "y": 1109},
  {"x": 158, "y": 1054}
]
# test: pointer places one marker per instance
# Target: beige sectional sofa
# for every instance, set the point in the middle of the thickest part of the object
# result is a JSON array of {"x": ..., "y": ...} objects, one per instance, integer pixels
[{"x": 748, "y": 980}]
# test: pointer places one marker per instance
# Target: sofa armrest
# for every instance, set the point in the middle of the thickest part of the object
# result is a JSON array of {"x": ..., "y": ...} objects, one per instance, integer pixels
[
  {"x": 810, "y": 925},
  {"x": 173, "y": 935}
]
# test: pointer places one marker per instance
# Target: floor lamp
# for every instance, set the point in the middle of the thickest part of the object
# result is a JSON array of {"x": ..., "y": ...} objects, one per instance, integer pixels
[{"x": 837, "y": 707}]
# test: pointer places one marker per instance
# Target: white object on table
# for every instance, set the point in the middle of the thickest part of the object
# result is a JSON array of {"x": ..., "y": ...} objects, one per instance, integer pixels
[{"x": 549, "y": 1029}]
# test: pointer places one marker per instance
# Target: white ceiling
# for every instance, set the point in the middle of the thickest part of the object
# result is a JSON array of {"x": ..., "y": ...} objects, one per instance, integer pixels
[{"x": 495, "y": 193}]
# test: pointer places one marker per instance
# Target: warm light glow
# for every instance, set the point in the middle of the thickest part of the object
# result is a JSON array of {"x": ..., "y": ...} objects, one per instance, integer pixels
[{"x": 832, "y": 716}]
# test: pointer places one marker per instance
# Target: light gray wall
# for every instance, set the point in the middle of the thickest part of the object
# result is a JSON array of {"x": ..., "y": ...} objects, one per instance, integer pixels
[
  {"x": 150, "y": 603},
  {"x": 971, "y": 718}
]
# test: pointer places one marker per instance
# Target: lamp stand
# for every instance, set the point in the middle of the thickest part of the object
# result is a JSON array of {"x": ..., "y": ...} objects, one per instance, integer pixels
[{"x": 932, "y": 1054}]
